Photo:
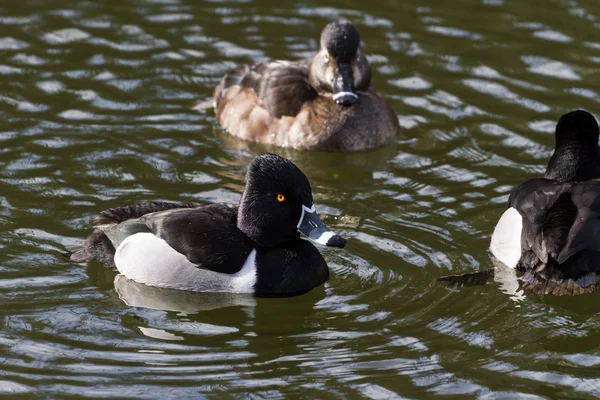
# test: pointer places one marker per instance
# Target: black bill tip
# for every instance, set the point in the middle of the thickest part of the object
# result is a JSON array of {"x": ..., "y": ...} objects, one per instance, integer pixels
[
  {"x": 346, "y": 100},
  {"x": 336, "y": 241}
]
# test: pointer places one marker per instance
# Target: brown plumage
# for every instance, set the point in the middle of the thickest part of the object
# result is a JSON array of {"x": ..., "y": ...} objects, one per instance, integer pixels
[{"x": 323, "y": 103}]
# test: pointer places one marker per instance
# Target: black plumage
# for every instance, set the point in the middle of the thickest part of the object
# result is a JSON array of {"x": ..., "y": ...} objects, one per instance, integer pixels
[
  {"x": 119, "y": 214},
  {"x": 207, "y": 236},
  {"x": 304, "y": 269},
  {"x": 576, "y": 156},
  {"x": 219, "y": 237},
  {"x": 98, "y": 246},
  {"x": 560, "y": 217},
  {"x": 560, "y": 237},
  {"x": 261, "y": 217}
]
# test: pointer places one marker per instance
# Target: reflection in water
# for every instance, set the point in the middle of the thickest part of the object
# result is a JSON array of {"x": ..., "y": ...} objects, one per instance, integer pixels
[
  {"x": 509, "y": 283},
  {"x": 139, "y": 295},
  {"x": 96, "y": 112}
]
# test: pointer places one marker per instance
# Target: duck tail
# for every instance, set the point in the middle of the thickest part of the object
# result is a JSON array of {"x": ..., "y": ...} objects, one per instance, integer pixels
[
  {"x": 119, "y": 214},
  {"x": 549, "y": 278},
  {"x": 540, "y": 283},
  {"x": 97, "y": 247},
  {"x": 232, "y": 78}
]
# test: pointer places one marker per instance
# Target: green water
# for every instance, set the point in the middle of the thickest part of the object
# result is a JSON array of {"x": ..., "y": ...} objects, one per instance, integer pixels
[{"x": 95, "y": 111}]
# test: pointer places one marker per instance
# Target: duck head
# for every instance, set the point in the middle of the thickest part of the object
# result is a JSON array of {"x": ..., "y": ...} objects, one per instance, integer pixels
[
  {"x": 277, "y": 205},
  {"x": 340, "y": 67},
  {"x": 576, "y": 154},
  {"x": 577, "y": 127}
]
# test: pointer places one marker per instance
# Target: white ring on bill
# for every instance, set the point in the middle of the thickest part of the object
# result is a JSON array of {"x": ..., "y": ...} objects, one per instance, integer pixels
[{"x": 339, "y": 95}]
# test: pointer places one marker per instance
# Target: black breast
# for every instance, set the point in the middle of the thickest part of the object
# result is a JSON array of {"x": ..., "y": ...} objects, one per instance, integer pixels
[{"x": 290, "y": 269}]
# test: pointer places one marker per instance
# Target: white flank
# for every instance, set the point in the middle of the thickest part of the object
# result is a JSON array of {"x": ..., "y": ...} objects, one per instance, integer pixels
[
  {"x": 506, "y": 239},
  {"x": 339, "y": 95},
  {"x": 147, "y": 259}
]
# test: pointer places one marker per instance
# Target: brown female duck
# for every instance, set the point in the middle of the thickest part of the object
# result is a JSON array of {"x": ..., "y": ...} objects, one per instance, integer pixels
[{"x": 323, "y": 103}]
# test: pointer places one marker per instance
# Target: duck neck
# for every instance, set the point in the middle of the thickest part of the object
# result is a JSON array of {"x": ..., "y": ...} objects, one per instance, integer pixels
[
  {"x": 573, "y": 162},
  {"x": 254, "y": 224}
]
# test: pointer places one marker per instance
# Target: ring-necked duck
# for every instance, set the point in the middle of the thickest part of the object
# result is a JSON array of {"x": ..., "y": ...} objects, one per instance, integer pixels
[
  {"x": 551, "y": 230},
  {"x": 255, "y": 248},
  {"x": 322, "y": 103}
]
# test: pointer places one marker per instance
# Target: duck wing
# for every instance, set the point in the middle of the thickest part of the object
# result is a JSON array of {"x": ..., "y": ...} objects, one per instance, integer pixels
[
  {"x": 544, "y": 222},
  {"x": 99, "y": 247},
  {"x": 117, "y": 215},
  {"x": 560, "y": 232},
  {"x": 280, "y": 87},
  {"x": 207, "y": 236},
  {"x": 585, "y": 231}
]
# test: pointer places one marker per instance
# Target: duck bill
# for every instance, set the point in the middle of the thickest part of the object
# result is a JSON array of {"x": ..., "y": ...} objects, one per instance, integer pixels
[
  {"x": 343, "y": 93},
  {"x": 312, "y": 227}
]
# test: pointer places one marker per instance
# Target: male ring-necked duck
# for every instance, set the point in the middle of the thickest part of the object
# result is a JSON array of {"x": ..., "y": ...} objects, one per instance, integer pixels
[
  {"x": 255, "y": 248},
  {"x": 325, "y": 102},
  {"x": 551, "y": 230}
]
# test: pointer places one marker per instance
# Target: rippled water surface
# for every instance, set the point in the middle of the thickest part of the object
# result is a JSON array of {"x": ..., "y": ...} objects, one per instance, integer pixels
[{"x": 95, "y": 112}]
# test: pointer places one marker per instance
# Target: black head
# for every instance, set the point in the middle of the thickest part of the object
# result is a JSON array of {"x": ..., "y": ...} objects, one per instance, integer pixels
[
  {"x": 576, "y": 156},
  {"x": 341, "y": 40},
  {"x": 577, "y": 127},
  {"x": 277, "y": 205},
  {"x": 340, "y": 67}
]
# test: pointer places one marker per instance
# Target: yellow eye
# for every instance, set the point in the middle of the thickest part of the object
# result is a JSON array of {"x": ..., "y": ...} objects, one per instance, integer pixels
[
  {"x": 326, "y": 57},
  {"x": 280, "y": 198}
]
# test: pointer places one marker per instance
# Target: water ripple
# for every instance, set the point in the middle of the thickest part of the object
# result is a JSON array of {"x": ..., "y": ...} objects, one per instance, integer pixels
[{"x": 97, "y": 112}]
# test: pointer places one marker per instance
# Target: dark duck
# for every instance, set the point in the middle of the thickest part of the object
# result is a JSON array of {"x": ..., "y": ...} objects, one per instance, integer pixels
[
  {"x": 323, "y": 103},
  {"x": 551, "y": 230},
  {"x": 254, "y": 248}
]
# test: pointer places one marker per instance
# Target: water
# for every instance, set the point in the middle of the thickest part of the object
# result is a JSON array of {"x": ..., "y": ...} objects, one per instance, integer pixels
[{"x": 95, "y": 111}]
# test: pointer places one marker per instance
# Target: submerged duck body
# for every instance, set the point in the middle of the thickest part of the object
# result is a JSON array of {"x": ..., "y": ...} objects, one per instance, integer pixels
[
  {"x": 323, "y": 103},
  {"x": 551, "y": 230},
  {"x": 255, "y": 248}
]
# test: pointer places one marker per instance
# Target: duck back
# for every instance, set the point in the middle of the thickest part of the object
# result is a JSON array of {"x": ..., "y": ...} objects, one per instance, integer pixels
[
  {"x": 274, "y": 103},
  {"x": 559, "y": 238}
]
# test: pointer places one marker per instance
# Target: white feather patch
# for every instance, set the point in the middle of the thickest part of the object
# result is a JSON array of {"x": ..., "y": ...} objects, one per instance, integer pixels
[
  {"x": 339, "y": 95},
  {"x": 506, "y": 239},
  {"x": 147, "y": 259}
]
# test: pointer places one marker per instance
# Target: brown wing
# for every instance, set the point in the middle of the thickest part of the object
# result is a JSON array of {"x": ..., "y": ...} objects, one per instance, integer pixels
[{"x": 280, "y": 87}]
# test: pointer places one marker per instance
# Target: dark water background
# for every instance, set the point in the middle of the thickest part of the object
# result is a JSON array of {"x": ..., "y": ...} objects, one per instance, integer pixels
[{"x": 95, "y": 112}]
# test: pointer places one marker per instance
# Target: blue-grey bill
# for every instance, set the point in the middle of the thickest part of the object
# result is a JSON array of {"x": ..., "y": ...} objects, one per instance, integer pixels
[{"x": 313, "y": 228}]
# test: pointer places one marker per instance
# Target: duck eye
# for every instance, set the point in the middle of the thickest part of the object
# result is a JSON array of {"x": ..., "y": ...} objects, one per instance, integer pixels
[
  {"x": 326, "y": 57},
  {"x": 280, "y": 198}
]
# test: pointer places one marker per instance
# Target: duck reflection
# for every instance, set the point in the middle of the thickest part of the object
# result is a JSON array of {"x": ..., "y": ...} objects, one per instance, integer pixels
[
  {"x": 357, "y": 166},
  {"x": 139, "y": 295},
  {"x": 506, "y": 277},
  {"x": 509, "y": 282}
]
